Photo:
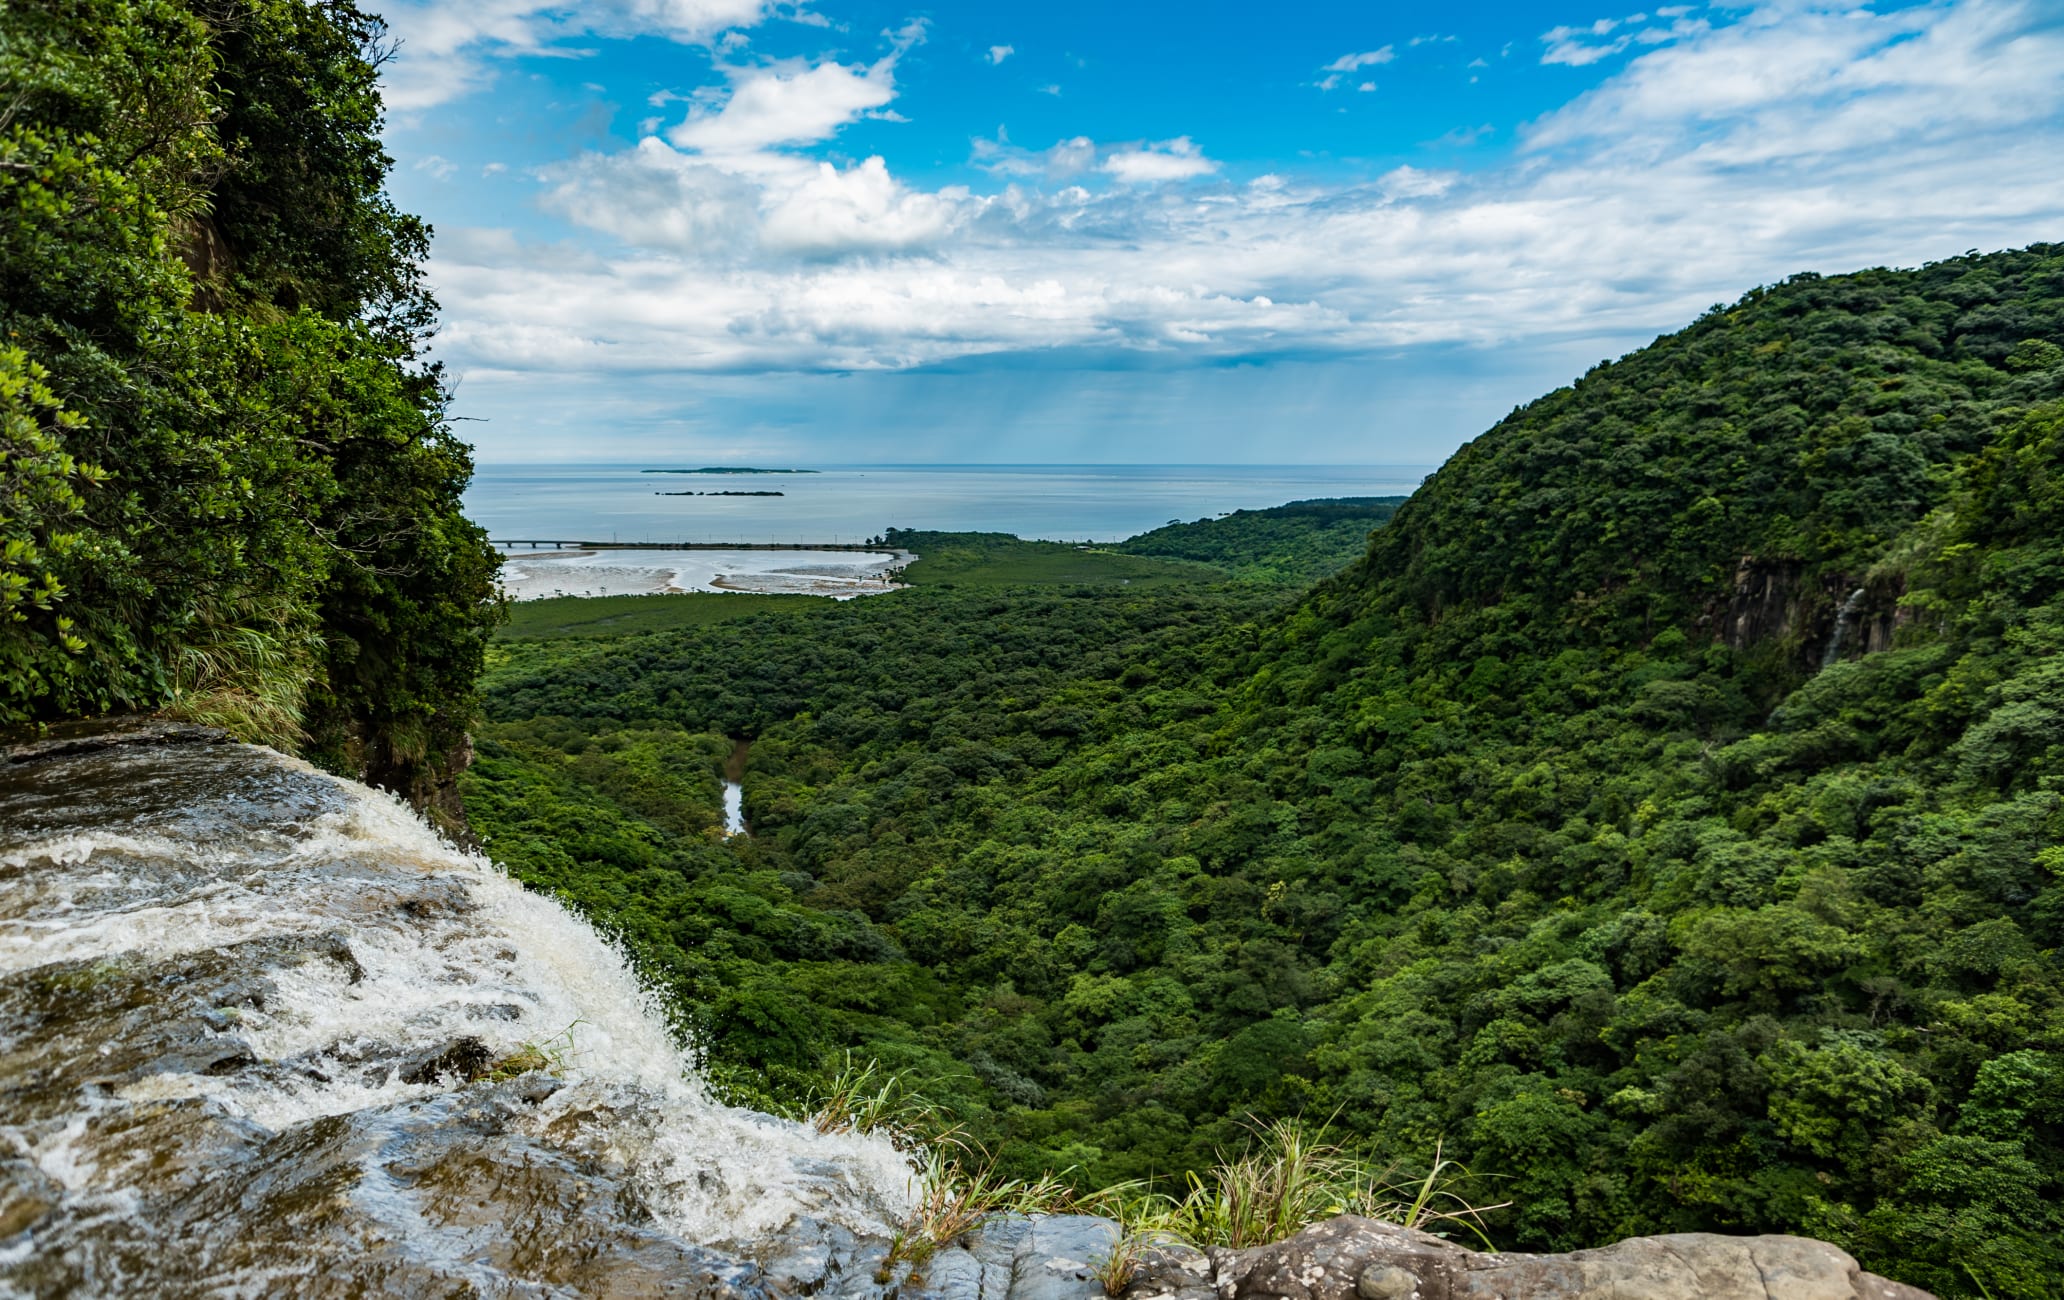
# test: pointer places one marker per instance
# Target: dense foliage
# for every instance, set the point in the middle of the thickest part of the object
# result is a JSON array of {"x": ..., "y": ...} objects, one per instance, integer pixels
[
  {"x": 1666, "y": 815},
  {"x": 1299, "y": 543},
  {"x": 998, "y": 559},
  {"x": 226, "y": 484}
]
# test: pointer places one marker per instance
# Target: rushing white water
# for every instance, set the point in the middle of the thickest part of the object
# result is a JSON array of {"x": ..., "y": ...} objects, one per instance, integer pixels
[
  {"x": 734, "y": 808},
  {"x": 1845, "y": 626},
  {"x": 426, "y": 946}
]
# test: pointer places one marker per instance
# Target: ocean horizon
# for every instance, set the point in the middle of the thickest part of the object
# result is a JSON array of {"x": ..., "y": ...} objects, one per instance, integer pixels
[{"x": 844, "y": 504}]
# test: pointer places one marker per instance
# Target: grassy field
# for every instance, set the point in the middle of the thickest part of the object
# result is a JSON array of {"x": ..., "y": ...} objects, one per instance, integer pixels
[{"x": 561, "y": 616}]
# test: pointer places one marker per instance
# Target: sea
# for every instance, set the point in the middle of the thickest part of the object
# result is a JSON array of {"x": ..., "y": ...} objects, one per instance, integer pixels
[{"x": 848, "y": 504}]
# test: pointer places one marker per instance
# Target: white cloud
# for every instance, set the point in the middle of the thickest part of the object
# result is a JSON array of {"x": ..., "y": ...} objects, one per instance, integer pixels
[
  {"x": 1795, "y": 138},
  {"x": 786, "y": 104},
  {"x": 1356, "y": 62},
  {"x": 1339, "y": 69},
  {"x": 437, "y": 165},
  {"x": 719, "y": 186},
  {"x": 792, "y": 102},
  {"x": 448, "y": 47},
  {"x": 1070, "y": 157},
  {"x": 998, "y": 53},
  {"x": 1579, "y": 47},
  {"x": 862, "y": 208},
  {"x": 1152, "y": 164}
]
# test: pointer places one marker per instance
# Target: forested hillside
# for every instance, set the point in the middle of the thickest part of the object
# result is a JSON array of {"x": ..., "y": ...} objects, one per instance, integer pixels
[
  {"x": 226, "y": 484},
  {"x": 1663, "y": 818},
  {"x": 1300, "y": 543}
]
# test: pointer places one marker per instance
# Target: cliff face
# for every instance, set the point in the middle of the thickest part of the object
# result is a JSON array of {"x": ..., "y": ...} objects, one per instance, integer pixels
[{"x": 1813, "y": 620}]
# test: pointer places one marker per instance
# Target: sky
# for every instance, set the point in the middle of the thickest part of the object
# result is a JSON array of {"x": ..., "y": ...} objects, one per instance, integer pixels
[{"x": 847, "y": 232}]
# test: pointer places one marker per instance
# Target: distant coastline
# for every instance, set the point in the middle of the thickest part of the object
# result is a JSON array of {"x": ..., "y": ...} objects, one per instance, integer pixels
[
  {"x": 723, "y": 494},
  {"x": 728, "y": 469}
]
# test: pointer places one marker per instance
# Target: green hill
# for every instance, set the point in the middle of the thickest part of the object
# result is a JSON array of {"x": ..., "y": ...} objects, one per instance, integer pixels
[
  {"x": 1298, "y": 543},
  {"x": 1665, "y": 817}
]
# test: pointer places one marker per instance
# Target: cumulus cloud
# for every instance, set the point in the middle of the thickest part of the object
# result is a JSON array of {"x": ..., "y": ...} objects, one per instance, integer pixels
[
  {"x": 860, "y": 208},
  {"x": 998, "y": 53},
  {"x": 1153, "y": 164},
  {"x": 724, "y": 184},
  {"x": 787, "y": 104},
  {"x": 1795, "y": 137}
]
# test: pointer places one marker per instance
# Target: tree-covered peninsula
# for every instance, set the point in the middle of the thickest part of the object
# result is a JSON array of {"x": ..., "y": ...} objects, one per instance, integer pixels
[
  {"x": 227, "y": 487},
  {"x": 1663, "y": 813}
]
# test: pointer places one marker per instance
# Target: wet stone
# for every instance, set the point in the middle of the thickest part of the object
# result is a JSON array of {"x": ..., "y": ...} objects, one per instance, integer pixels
[
  {"x": 951, "y": 1274},
  {"x": 26, "y": 1195},
  {"x": 1057, "y": 1258},
  {"x": 458, "y": 1058}
]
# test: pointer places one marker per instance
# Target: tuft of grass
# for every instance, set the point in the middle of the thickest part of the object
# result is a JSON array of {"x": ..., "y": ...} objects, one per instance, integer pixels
[
  {"x": 555, "y": 1055},
  {"x": 1287, "y": 1179},
  {"x": 957, "y": 1184},
  {"x": 1290, "y": 1178},
  {"x": 1117, "y": 1269},
  {"x": 249, "y": 681},
  {"x": 869, "y": 1099},
  {"x": 958, "y": 1193}
]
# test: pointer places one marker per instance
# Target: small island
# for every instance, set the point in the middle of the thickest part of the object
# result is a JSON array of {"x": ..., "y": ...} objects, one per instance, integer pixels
[{"x": 727, "y": 469}]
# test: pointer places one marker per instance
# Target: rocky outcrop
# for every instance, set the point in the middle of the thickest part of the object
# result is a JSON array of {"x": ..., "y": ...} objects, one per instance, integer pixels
[
  {"x": 1828, "y": 618},
  {"x": 1351, "y": 1258}
]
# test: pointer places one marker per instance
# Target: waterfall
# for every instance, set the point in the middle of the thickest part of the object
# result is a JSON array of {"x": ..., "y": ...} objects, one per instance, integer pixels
[
  {"x": 734, "y": 809},
  {"x": 734, "y": 788},
  {"x": 269, "y": 1018},
  {"x": 1845, "y": 625}
]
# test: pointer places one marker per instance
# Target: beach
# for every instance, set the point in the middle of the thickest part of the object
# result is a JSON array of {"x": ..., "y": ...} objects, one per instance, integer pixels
[{"x": 603, "y": 571}]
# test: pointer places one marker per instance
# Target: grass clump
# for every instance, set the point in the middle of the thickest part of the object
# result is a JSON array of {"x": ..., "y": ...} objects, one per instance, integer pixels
[
  {"x": 1290, "y": 1178},
  {"x": 1287, "y": 1180},
  {"x": 958, "y": 1193},
  {"x": 865, "y": 1098},
  {"x": 958, "y": 1186},
  {"x": 251, "y": 681},
  {"x": 554, "y": 1056}
]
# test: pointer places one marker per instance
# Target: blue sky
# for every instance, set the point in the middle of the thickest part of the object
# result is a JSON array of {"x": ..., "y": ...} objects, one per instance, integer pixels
[{"x": 1142, "y": 233}]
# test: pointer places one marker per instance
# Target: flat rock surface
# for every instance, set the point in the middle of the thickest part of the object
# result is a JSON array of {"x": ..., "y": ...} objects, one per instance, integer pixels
[{"x": 1351, "y": 1258}]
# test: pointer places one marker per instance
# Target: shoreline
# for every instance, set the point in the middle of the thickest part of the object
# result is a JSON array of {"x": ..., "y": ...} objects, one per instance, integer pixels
[{"x": 595, "y": 571}]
